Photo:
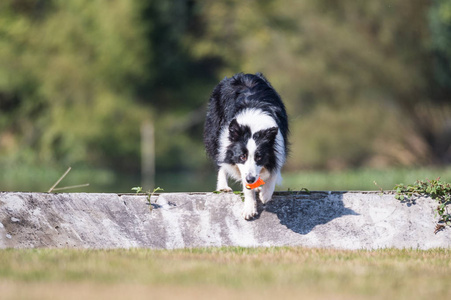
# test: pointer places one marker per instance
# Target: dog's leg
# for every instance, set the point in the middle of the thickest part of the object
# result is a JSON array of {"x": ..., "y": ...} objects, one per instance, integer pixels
[
  {"x": 268, "y": 189},
  {"x": 250, "y": 205},
  {"x": 222, "y": 181}
]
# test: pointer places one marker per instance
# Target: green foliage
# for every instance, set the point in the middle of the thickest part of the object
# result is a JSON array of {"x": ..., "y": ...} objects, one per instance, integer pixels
[
  {"x": 365, "y": 84},
  {"x": 137, "y": 189},
  {"x": 149, "y": 194},
  {"x": 436, "y": 189},
  {"x": 65, "y": 73},
  {"x": 350, "y": 73},
  {"x": 440, "y": 26}
]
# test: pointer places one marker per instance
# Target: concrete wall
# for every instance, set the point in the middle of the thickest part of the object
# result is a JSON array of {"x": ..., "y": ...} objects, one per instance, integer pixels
[{"x": 345, "y": 220}]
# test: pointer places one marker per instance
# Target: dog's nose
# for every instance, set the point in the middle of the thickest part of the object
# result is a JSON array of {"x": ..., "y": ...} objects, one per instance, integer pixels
[{"x": 250, "y": 179}]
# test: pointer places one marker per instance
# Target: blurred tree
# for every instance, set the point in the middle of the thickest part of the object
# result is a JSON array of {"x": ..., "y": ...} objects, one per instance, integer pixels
[
  {"x": 369, "y": 61},
  {"x": 365, "y": 83},
  {"x": 180, "y": 82},
  {"x": 440, "y": 27},
  {"x": 67, "y": 73}
]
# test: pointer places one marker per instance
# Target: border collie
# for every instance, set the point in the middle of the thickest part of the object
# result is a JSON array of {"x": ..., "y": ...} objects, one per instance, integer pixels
[{"x": 245, "y": 133}]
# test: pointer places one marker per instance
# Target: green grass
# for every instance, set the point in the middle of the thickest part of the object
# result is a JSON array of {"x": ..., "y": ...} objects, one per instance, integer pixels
[
  {"x": 225, "y": 272},
  {"x": 361, "y": 179},
  {"x": 40, "y": 179},
  {"x": 32, "y": 178}
]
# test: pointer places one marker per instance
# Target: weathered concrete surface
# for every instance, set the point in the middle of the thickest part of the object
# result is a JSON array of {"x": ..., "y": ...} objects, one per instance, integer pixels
[{"x": 346, "y": 220}]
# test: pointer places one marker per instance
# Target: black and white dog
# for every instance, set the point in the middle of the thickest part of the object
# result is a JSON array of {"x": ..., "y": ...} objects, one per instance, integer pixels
[{"x": 245, "y": 133}]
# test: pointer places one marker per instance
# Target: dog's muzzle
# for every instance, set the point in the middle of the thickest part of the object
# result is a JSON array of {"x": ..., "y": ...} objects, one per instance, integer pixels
[{"x": 251, "y": 179}]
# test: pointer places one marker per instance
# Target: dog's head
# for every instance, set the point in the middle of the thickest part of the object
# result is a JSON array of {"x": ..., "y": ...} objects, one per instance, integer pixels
[{"x": 251, "y": 151}]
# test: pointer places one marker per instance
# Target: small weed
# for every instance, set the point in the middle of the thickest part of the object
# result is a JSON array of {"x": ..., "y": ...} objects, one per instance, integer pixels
[
  {"x": 380, "y": 188},
  {"x": 297, "y": 192},
  {"x": 437, "y": 190},
  {"x": 240, "y": 193},
  {"x": 138, "y": 189},
  {"x": 305, "y": 190},
  {"x": 54, "y": 188}
]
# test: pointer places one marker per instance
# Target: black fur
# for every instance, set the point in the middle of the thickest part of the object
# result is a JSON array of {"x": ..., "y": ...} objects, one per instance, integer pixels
[
  {"x": 265, "y": 154},
  {"x": 229, "y": 98},
  {"x": 238, "y": 136}
]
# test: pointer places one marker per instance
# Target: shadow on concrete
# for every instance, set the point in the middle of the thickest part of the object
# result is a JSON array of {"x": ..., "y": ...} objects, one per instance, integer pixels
[{"x": 302, "y": 211}]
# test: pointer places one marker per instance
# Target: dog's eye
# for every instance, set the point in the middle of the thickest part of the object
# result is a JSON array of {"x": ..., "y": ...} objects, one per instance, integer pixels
[
  {"x": 243, "y": 157},
  {"x": 257, "y": 156}
]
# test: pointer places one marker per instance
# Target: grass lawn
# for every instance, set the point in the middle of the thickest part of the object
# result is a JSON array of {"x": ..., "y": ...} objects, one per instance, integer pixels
[
  {"x": 225, "y": 273},
  {"x": 40, "y": 179},
  {"x": 360, "y": 179}
]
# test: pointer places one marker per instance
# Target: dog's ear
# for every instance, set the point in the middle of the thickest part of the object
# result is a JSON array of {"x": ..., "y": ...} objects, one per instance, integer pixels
[
  {"x": 234, "y": 131},
  {"x": 271, "y": 133},
  {"x": 268, "y": 135}
]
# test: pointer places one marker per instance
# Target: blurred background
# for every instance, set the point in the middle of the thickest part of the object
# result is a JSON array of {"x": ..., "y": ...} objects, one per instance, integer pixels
[{"x": 118, "y": 89}]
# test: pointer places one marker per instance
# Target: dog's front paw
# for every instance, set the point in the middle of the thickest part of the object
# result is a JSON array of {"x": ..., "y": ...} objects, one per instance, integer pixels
[
  {"x": 225, "y": 189},
  {"x": 249, "y": 211}
]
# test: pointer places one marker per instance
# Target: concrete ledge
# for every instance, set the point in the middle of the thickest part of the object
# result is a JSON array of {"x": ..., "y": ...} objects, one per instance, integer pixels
[{"x": 344, "y": 220}]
